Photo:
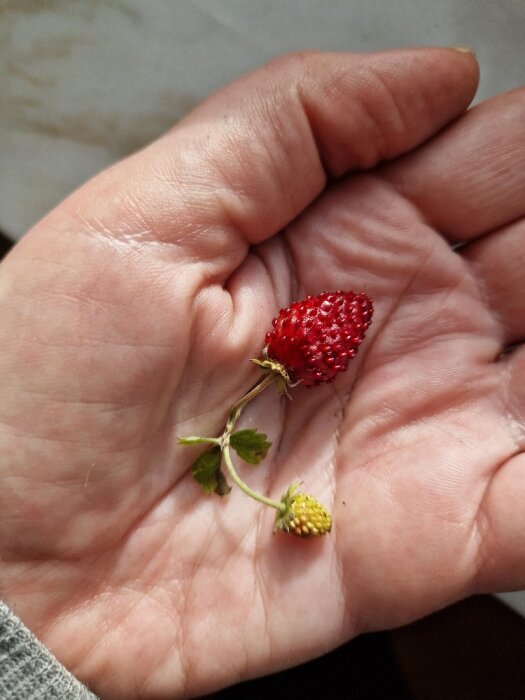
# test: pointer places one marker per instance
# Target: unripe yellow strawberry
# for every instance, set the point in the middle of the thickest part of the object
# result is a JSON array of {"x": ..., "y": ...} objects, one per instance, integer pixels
[{"x": 302, "y": 515}]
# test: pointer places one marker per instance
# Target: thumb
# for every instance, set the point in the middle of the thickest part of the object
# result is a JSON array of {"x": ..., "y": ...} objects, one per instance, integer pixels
[{"x": 253, "y": 156}]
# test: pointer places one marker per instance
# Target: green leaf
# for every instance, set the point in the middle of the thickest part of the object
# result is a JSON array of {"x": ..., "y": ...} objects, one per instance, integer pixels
[
  {"x": 206, "y": 469},
  {"x": 250, "y": 445},
  {"x": 223, "y": 488}
]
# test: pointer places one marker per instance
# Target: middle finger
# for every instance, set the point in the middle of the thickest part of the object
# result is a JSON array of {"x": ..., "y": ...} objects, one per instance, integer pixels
[{"x": 470, "y": 179}]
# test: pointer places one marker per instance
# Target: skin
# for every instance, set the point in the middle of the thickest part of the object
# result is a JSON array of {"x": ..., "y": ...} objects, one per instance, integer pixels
[{"x": 128, "y": 316}]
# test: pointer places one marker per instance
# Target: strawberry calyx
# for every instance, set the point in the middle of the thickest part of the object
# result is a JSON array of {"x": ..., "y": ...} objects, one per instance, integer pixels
[{"x": 283, "y": 380}]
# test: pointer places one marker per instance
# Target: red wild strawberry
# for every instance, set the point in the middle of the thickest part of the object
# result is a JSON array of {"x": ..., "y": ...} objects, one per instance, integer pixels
[{"x": 315, "y": 339}]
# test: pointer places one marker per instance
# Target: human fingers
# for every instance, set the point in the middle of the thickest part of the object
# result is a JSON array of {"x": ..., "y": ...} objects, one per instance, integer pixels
[
  {"x": 470, "y": 180},
  {"x": 246, "y": 162},
  {"x": 500, "y": 525},
  {"x": 498, "y": 261}
]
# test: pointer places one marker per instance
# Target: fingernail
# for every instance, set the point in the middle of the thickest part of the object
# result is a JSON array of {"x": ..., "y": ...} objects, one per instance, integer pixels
[{"x": 463, "y": 49}]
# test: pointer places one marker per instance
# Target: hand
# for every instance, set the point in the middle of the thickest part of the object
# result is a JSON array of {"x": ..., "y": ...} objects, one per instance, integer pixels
[{"x": 128, "y": 317}]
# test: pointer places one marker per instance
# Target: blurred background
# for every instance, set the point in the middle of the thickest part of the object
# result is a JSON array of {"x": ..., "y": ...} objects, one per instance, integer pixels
[{"x": 86, "y": 82}]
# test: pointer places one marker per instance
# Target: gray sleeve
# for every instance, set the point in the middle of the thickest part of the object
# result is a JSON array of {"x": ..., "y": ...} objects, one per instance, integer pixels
[{"x": 28, "y": 670}]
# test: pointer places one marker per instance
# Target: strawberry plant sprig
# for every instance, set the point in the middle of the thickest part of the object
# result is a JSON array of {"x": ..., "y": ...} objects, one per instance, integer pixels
[{"x": 312, "y": 341}]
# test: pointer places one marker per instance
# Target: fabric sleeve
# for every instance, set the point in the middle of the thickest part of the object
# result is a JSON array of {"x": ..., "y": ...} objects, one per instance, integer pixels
[{"x": 28, "y": 671}]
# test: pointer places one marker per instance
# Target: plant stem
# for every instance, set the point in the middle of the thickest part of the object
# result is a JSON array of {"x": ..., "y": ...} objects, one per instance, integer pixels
[
  {"x": 237, "y": 407},
  {"x": 233, "y": 417},
  {"x": 196, "y": 440},
  {"x": 244, "y": 487},
  {"x": 224, "y": 440}
]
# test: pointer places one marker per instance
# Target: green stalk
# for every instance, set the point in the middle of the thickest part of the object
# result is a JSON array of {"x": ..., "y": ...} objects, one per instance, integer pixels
[
  {"x": 233, "y": 417},
  {"x": 224, "y": 440},
  {"x": 244, "y": 487},
  {"x": 237, "y": 407}
]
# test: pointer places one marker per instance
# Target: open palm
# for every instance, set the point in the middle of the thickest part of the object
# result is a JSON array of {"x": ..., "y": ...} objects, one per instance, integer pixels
[{"x": 128, "y": 317}]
